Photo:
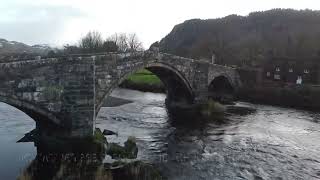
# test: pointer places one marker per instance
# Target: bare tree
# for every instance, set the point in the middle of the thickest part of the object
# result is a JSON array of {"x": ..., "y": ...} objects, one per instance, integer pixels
[
  {"x": 92, "y": 42},
  {"x": 110, "y": 46},
  {"x": 113, "y": 38},
  {"x": 125, "y": 42},
  {"x": 122, "y": 42},
  {"x": 134, "y": 43}
]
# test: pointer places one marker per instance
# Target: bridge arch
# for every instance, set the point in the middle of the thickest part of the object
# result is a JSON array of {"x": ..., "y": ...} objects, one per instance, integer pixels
[
  {"x": 221, "y": 88},
  {"x": 35, "y": 112},
  {"x": 177, "y": 86}
]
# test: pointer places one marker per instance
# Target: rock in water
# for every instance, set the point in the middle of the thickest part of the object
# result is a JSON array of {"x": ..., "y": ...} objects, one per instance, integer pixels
[
  {"x": 131, "y": 147},
  {"x": 108, "y": 132},
  {"x": 29, "y": 137}
]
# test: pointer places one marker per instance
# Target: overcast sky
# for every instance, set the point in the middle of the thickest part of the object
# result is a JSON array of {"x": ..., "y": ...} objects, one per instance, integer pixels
[{"x": 58, "y": 22}]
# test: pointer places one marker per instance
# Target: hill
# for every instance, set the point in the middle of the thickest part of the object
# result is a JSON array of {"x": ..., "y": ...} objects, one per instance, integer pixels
[
  {"x": 236, "y": 39},
  {"x": 18, "y": 49}
]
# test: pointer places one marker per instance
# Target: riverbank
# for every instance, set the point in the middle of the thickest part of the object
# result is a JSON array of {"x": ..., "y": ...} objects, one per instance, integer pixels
[
  {"x": 145, "y": 81},
  {"x": 115, "y": 101},
  {"x": 305, "y": 97}
]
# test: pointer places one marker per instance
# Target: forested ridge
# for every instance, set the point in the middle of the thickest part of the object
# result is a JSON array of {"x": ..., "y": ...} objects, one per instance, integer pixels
[{"x": 253, "y": 38}]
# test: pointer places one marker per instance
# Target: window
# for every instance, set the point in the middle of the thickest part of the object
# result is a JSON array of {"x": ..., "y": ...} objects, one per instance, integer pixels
[
  {"x": 278, "y": 69},
  {"x": 291, "y": 70},
  {"x": 299, "y": 80},
  {"x": 268, "y": 74},
  {"x": 277, "y": 77}
]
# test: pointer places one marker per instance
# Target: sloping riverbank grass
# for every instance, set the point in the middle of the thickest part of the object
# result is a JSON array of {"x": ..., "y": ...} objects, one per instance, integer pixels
[{"x": 144, "y": 80}]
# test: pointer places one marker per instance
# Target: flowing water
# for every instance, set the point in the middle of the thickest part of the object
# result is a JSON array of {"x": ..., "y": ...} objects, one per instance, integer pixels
[{"x": 269, "y": 143}]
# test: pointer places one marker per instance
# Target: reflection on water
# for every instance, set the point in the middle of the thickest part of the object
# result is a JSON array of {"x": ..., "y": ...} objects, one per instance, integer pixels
[
  {"x": 14, "y": 156},
  {"x": 270, "y": 143}
]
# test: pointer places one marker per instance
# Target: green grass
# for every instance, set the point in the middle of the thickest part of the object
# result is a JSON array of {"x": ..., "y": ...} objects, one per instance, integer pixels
[
  {"x": 144, "y": 72},
  {"x": 144, "y": 77}
]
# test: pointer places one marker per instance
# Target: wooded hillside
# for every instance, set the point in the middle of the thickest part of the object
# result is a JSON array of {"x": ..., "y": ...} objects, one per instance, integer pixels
[{"x": 235, "y": 39}]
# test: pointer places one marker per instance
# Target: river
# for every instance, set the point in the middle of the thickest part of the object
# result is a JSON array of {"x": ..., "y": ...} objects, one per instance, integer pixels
[{"x": 269, "y": 143}]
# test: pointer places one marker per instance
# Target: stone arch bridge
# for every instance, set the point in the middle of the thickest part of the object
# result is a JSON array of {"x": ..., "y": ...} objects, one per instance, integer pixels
[{"x": 64, "y": 95}]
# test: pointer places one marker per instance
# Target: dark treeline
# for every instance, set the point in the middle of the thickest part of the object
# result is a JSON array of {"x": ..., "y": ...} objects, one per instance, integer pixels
[{"x": 260, "y": 35}]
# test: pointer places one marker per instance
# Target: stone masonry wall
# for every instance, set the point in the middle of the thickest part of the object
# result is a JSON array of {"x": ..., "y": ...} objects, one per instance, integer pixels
[
  {"x": 69, "y": 91},
  {"x": 59, "y": 89}
]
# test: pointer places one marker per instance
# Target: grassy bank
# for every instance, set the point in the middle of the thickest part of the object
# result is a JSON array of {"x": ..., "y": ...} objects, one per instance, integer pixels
[{"x": 144, "y": 80}]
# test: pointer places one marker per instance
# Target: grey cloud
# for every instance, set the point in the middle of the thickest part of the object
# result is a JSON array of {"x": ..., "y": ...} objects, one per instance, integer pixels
[
  {"x": 35, "y": 12},
  {"x": 35, "y": 24},
  {"x": 32, "y": 32}
]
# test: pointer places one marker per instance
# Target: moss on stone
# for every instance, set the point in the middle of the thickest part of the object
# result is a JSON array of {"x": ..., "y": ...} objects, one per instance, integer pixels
[
  {"x": 98, "y": 137},
  {"x": 116, "y": 151},
  {"x": 131, "y": 147},
  {"x": 52, "y": 92},
  {"x": 140, "y": 170},
  {"x": 129, "y": 151}
]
